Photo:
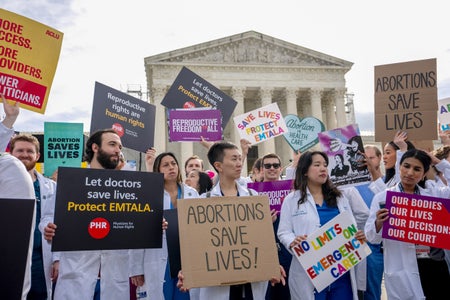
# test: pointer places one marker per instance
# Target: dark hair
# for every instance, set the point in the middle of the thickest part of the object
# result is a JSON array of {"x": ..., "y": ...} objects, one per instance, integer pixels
[
  {"x": 442, "y": 152},
  {"x": 158, "y": 160},
  {"x": 420, "y": 155},
  {"x": 340, "y": 157},
  {"x": 329, "y": 190},
  {"x": 216, "y": 152},
  {"x": 95, "y": 138},
  {"x": 358, "y": 140},
  {"x": 270, "y": 155},
  {"x": 204, "y": 182},
  {"x": 391, "y": 172}
]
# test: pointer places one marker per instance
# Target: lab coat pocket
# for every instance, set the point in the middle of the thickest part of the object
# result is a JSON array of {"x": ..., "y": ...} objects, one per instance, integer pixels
[{"x": 399, "y": 285}]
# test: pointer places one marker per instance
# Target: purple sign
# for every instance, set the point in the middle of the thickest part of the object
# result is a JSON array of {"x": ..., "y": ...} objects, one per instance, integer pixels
[
  {"x": 275, "y": 190},
  {"x": 187, "y": 125}
]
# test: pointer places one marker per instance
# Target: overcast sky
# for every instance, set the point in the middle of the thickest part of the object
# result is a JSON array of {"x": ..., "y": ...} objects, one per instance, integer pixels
[{"x": 107, "y": 41}]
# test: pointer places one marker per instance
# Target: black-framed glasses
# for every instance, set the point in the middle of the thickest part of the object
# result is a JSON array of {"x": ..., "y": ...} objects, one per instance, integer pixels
[{"x": 275, "y": 166}]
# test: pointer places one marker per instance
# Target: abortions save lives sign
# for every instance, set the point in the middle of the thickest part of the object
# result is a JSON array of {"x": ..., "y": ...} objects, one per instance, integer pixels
[
  {"x": 189, "y": 90},
  {"x": 406, "y": 100},
  {"x": 226, "y": 232},
  {"x": 261, "y": 124},
  {"x": 132, "y": 118},
  {"x": 188, "y": 125},
  {"x": 331, "y": 251},
  {"x": 99, "y": 209},
  {"x": 14, "y": 251},
  {"x": 417, "y": 219},
  {"x": 29, "y": 54}
]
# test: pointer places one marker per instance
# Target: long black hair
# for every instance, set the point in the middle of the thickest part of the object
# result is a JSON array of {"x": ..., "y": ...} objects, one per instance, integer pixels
[
  {"x": 329, "y": 190},
  {"x": 421, "y": 156},
  {"x": 391, "y": 171}
]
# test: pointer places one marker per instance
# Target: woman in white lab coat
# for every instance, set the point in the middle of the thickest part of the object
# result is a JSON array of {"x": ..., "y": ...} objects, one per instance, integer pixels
[
  {"x": 148, "y": 267},
  {"x": 401, "y": 272},
  {"x": 314, "y": 202}
]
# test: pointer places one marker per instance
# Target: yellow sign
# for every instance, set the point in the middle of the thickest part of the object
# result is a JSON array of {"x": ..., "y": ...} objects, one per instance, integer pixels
[{"x": 29, "y": 53}]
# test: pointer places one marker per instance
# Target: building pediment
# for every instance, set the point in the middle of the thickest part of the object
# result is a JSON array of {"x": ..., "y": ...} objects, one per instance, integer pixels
[{"x": 250, "y": 48}]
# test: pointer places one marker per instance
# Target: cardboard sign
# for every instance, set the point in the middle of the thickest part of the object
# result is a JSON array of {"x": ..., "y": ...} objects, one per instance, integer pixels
[
  {"x": 342, "y": 145},
  {"x": 189, "y": 90},
  {"x": 261, "y": 124},
  {"x": 275, "y": 190},
  {"x": 132, "y": 118},
  {"x": 63, "y": 146},
  {"x": 444, "y": 113},
  {"x": 100, "y": 209},
  {"x": 187, "y": 125},
  {"x": 417, "y": 219},
  {"x": 302, "y": 133},
  {"x": 221, "y": 244},
  {"x": 14, "y": 249},
  {"x": 406, "y": 100},
  {"x": 29, "y": 56},
  {"x": 331, "y": 251}
]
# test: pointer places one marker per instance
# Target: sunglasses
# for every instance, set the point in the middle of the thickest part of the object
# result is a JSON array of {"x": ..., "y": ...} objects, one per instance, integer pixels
[{"x": 275, "y": 166}]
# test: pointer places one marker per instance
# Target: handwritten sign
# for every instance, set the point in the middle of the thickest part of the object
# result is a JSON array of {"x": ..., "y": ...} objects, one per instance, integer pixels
[
  {"x": 226, "y": 232},
  {"x": 406, "y": 99},
  {"x": 261, "y": 124},
  {"x": 29, "y": 54},
  {"x": 302, "y": 133},
  {"x": 417, "y": 219},
  {"x": 331, "y": 251}
]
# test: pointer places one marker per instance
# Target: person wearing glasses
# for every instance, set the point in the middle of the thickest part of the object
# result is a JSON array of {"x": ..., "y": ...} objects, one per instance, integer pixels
[{"x": 271, "y": 171}]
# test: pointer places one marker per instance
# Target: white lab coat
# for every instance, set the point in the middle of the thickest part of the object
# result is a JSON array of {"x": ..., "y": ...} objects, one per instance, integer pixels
[
  {"x": 401, "y": 272},
  {"x": 78, "y": 273},
  {"x": 300, "y": 220},
  {"x": 223, "y": 292},
  {"x": 48, "y": 194},
  {"x": 152, "y": 262},
  {"x": 5, "y": 136},
  {"x": 361, "y": 213},
  {"x": 16, "y": 183}
]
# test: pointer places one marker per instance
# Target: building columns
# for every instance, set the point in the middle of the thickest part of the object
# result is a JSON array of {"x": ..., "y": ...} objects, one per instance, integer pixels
[
  {"x": 161, "y": 136},
  {"x": 316, "y": 103},
  {"x": 238, "y": 93},
  {"x": 339, "y": 100},
  {"x": 267, "y": 146}
]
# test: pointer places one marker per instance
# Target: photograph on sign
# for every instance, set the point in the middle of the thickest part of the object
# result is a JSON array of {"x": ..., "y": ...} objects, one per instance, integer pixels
[{"x": 346, "y": 163}]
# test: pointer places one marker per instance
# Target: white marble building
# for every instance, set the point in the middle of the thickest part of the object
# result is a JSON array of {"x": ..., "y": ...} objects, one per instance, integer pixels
[{"x": 255, "y": 70}]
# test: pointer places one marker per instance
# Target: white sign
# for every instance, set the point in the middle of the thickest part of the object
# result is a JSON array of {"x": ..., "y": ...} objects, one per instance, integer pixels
[
  {"x": 261, "y": 124},
  {"x": 331, "y": 251}
]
